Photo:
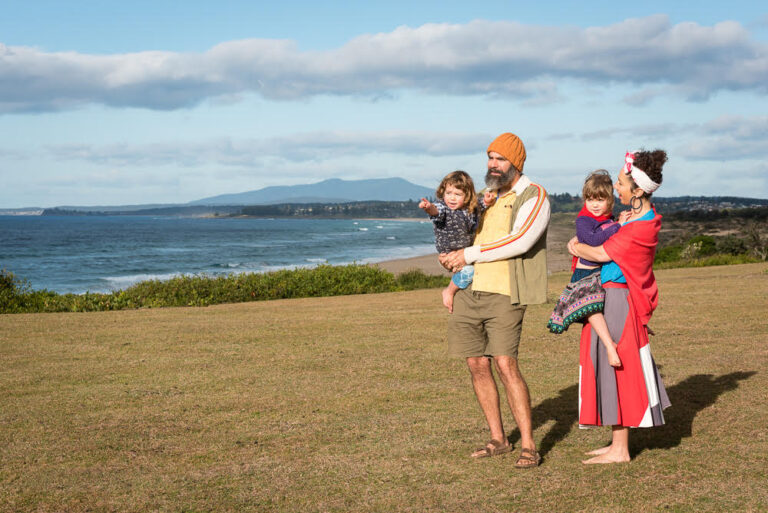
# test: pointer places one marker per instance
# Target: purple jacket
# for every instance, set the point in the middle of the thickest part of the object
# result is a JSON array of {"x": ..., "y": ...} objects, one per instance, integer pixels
[{"x": 592, "y": 232}]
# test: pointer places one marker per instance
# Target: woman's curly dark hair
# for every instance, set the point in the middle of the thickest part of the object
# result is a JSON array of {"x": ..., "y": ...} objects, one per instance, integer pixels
[{"x": 652, "y": 163}]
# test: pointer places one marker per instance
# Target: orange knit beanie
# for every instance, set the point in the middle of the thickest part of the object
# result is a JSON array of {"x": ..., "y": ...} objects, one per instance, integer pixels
[{"x": 511, "y": 148}]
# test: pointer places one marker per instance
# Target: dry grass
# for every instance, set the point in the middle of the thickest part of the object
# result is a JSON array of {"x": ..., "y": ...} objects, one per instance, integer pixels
[{"x": 350, "y": 404}]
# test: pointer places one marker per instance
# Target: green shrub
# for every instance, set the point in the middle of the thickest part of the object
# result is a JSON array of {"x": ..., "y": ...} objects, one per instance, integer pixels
[
  {"x": 705, "y": 245},
  {"x": 669, "y": 254},
  {"x": 416, "y": 279},
  {"x": 732, "y": 245},
  {"x": 12, "y": 290},
  {"x": 203, "y": 290},
  {"x": 717, "y": 259},
  {"x": 704, "y": 250},
  {"x": 756, "y": 241}
]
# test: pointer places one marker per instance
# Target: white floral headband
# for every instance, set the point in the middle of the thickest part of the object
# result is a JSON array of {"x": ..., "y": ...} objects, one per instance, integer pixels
[{"x": 638, "y": 175}]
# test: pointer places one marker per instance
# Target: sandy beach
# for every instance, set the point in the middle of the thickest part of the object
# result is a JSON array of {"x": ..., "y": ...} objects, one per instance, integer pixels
[
  {"x": 426, "y": 263},
  {"x": 559, "y": 232}
]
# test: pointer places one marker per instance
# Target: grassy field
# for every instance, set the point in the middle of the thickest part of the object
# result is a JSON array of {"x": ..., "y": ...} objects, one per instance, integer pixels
[{"x": 350, "y": 404}]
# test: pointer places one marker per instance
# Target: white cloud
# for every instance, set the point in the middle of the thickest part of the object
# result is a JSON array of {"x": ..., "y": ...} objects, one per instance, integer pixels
[
  {"x": 643, "y": 97},
  {"x": 739, "y": 126},
  {"x": 726, "y": 138},
  {"x": 256, "y": 152},
  {"x": 730, "y": 138},
  {"x": 479, "y": 58},
  {"x": 658, "y": 130}
]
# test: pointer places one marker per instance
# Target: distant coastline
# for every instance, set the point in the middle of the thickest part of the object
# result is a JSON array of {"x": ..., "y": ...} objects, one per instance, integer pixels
[
  {"x": 22, "y": 212},
  {"x": 383, "y": 210}
]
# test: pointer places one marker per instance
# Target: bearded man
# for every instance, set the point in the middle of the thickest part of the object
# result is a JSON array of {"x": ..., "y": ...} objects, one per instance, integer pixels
[{"x": 510, "y": 258}]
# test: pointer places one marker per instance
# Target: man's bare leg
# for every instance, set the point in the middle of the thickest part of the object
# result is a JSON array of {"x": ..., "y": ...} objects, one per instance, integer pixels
[
  {"x": 518, "y": 398},
  {"x": 487, "y": 395}
]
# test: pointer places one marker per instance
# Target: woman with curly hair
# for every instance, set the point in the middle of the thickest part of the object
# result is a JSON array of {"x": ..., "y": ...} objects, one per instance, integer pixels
[{"x": 633, "y": 394}]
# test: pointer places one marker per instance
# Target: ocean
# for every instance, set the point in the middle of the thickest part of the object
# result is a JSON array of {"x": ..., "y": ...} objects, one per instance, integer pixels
[{"x": 106, "y": 253}]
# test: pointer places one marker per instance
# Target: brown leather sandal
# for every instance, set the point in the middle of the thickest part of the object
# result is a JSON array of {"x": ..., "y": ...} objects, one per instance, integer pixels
[
  {"x": 528, "y": 458},
  {"x": 492, "y": 448}
]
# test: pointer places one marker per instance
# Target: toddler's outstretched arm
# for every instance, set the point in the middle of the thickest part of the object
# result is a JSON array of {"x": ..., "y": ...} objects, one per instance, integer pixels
[{"x": 428, "y": 207}]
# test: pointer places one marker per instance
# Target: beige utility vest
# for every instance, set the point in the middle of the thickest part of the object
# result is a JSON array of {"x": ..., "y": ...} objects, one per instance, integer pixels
[{"x": 522, "y": 278}]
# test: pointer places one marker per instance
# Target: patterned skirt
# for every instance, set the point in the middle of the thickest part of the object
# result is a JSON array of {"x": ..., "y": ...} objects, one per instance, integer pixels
[
  {"x": 632, "y": 395},
  {"x": 579, "y": 300}
]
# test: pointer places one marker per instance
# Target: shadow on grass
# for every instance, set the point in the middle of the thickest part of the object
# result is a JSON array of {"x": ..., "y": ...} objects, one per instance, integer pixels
[
  {"x": 563, "y": 409},
  {"x": 688, "y": 398}
]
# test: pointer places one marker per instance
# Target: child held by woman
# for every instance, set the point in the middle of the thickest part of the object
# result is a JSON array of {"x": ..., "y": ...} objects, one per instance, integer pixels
[{"x": 584, "y": 297}]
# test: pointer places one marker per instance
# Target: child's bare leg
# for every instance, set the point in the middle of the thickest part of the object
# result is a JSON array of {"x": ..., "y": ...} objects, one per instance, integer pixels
[
  {"x": 448, "y": 293},
  {"x": 597, "y": 321}
]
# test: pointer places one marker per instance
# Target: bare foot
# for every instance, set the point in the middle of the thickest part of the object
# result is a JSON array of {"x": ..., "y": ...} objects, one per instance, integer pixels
[
  {"x": 448, "y": 299},
  {"x": 608, "y": 457},
  {"x": 597, "y": 452}
]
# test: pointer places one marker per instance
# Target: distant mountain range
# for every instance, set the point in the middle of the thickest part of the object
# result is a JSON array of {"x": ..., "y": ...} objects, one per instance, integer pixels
[{"x": 333, "y": 190}]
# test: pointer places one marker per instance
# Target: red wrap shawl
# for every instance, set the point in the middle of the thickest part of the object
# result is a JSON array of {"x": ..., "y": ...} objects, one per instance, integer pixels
[{"x": 633, "y": 248}]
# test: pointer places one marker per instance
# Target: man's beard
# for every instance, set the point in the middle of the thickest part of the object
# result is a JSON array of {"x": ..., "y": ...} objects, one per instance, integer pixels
[{"x": 496, "y": 182}]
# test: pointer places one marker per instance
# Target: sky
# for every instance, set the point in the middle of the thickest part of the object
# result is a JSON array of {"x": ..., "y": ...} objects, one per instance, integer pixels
[{"x": 146, "y": 102}]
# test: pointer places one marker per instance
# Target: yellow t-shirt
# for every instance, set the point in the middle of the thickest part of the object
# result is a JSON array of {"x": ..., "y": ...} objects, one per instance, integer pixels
[{"x": 494, "y": 276}]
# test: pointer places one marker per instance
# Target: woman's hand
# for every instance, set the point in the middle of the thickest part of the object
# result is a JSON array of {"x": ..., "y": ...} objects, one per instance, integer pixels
[
  {"x": 624, "y": 216},
  {"x": 593, "y": 253},
  {"x": 572, "y": 246},
  {"x": 453, "y": 261}
]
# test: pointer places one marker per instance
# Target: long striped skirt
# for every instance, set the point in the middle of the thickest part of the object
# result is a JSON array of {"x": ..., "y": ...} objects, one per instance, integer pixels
[{"x": 632, "y": 395}]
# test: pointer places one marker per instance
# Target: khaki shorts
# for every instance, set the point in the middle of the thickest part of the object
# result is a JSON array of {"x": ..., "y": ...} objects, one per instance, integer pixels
[{"x": 484, "y": 324}]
